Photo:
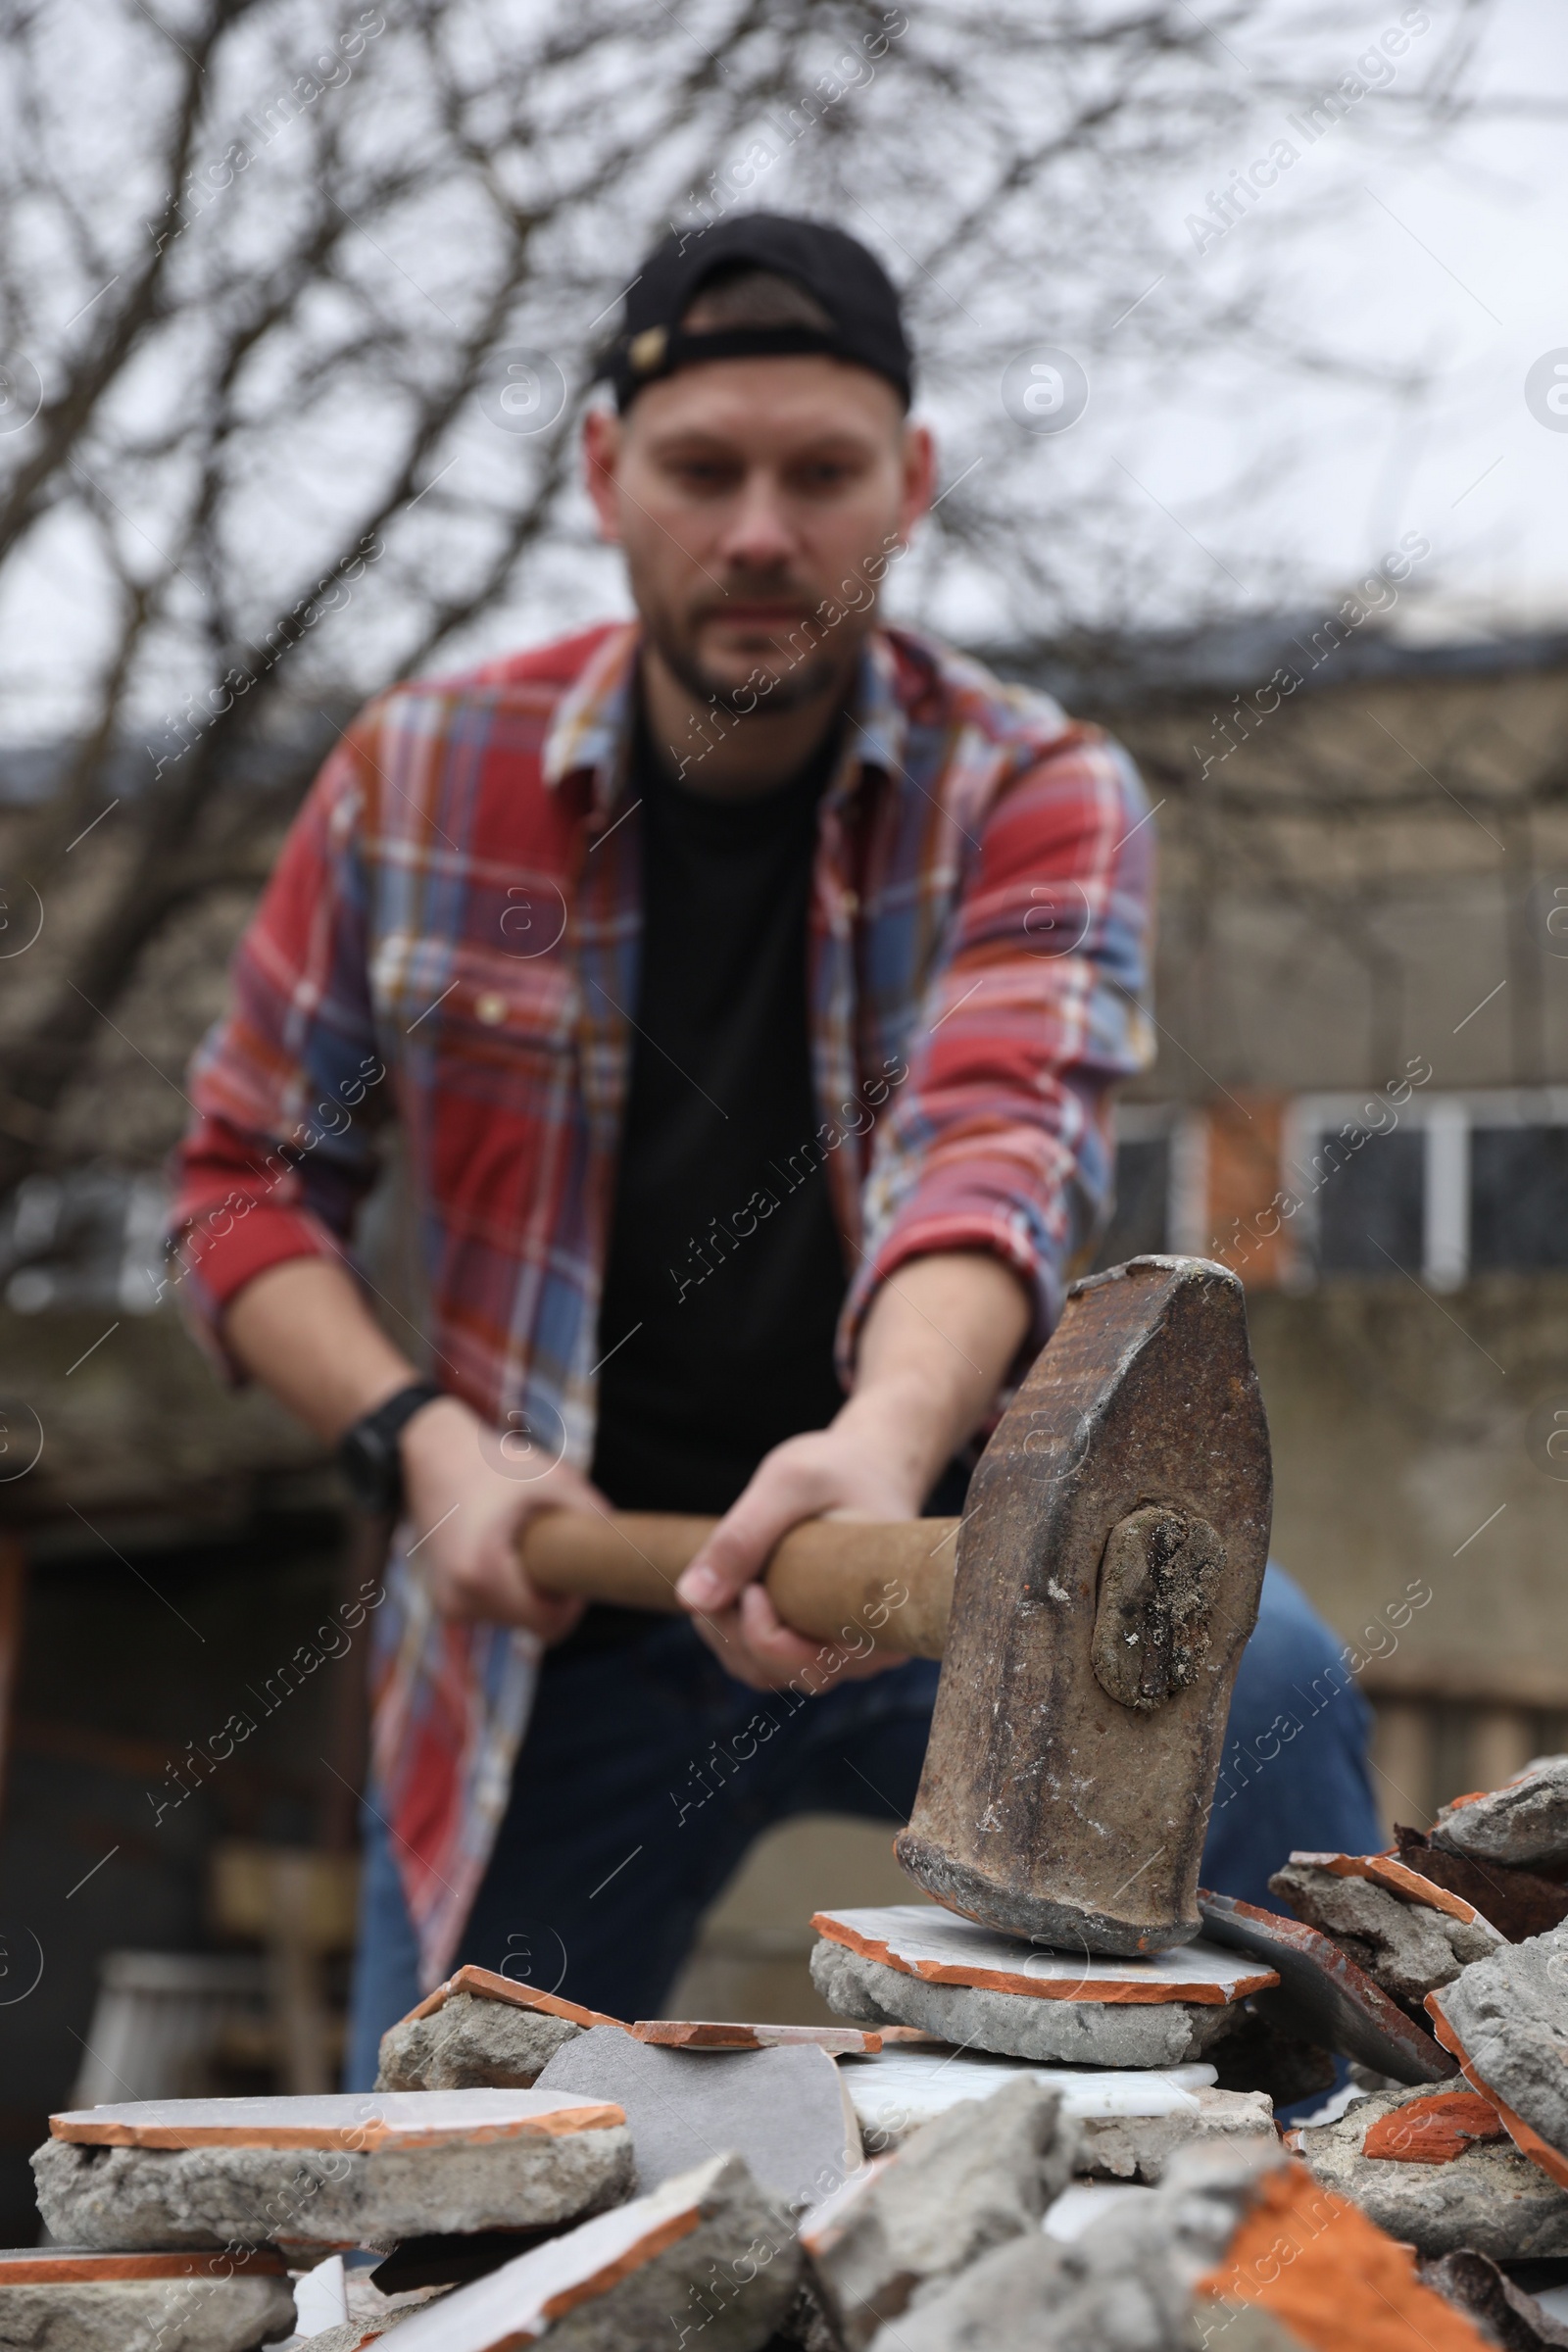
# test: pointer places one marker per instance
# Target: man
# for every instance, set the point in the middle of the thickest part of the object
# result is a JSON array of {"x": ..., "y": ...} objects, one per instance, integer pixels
[{"x": 748, "y": 987}]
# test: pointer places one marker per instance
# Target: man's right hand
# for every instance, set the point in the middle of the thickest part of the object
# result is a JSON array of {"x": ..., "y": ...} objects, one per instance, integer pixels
[{"x": 467, "y": 1514}]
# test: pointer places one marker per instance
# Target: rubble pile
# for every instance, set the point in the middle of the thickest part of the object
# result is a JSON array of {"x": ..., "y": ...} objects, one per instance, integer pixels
[{"x": 999, "y": 2145}]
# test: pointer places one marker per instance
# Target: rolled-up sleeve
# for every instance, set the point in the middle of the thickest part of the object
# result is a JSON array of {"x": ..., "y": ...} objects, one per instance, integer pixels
[
  {"x": 288, "y": 1087},
  {"x": 1000, "y": 1137}
]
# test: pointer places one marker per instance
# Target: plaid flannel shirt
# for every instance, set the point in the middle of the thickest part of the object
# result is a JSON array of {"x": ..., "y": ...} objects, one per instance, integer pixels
[{"x": 450, "y": 939}]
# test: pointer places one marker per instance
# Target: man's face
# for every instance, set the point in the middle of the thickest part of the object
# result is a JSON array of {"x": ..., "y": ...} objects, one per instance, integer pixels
[{"x": 745, "y": 493}]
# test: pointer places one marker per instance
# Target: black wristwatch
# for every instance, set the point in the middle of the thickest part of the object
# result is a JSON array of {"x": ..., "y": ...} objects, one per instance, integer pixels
[{"x": 368, "y": 1457}]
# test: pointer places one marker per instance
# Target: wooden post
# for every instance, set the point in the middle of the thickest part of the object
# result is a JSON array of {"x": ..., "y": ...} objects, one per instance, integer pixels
[
  {"x": 1503, "y": 1740},
  {"x": 1403, "y": 1762}
]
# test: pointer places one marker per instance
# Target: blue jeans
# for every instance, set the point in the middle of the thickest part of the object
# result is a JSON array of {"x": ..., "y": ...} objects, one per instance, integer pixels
[{"x": 639, "y": 1789}]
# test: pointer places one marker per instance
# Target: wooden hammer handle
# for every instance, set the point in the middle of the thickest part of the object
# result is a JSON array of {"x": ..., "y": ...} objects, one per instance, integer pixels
[{"x": 834, "y": 1580}]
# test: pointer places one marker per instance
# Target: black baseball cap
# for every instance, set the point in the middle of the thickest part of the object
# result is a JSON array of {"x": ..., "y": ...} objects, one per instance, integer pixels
[{"x": 849, "y": 281}]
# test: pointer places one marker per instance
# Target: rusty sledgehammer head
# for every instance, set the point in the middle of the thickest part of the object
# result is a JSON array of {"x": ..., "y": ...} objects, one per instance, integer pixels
[{"x": 1107, "y": 1577}]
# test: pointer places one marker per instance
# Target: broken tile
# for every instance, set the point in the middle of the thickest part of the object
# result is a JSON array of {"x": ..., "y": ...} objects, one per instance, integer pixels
[
  {"x": 1129, "y": 2124},
  {"x": 1123, "y": 2284},
  {"x": 691, "y": 2034},
  {"x": 1505, "y": 2019},
  {"x": 1514, "y": 2320},
  {"x": 706, "y": 2255},
  {"x": 1490, "y": 2197},
  {"x": 1407, "y": 1948},
  {"x": 1519, "y": 1903},
  {"x": 479, "y": 2030},
  {"x": 913, "y": 1965},
  {"x": 1323, "y": 1997},
  {"x": 1313, "y": 2264},
  {"x": 328, "y": 2171},
  {"x": 1433, "y": 2130},
  {"x": 784, "y": 2110},
  {"x": 980, "y": 2174},
  {"x": 1524, "y": 1822},
  {"x": 1405, "y": 1880},
  {"x": 62, "y": 2299},
  {"x": 944, "y": 1949}
]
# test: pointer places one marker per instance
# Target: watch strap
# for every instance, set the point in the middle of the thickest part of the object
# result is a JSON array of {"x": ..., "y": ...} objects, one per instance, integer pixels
[{"x": 369, "y": 1453}]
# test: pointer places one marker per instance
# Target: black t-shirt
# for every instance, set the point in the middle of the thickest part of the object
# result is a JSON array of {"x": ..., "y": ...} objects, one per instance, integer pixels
[{"x": 716, "y": 1321}]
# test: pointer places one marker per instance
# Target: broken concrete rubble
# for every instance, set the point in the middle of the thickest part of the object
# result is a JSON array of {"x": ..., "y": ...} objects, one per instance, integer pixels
[
  {"x": 1323, "y": 1997},
  {"x": 1505, "y": 2019},
  {"x": 471, "y": 2043},
  {"x": 479, "y": 2031},
  {"x": 57, "y": 2299},
  {"x": 1014, "y": 2024},
  {"x": 1490, "y": 2198},
  {"x": 1525, "y": 1822},
  {"x": 1129, "y": 2125},
  {"x": 1246, "y": 2248},
  {"x": 327, "y": 2171},
  {"x": 1406, "y": 1946},
  {"x": 707, "y": 2252},
  {"x": 784, "y": 2110},
  {"x": 1512, "y": 2319},
  {"x": 981, "y": 2173}
]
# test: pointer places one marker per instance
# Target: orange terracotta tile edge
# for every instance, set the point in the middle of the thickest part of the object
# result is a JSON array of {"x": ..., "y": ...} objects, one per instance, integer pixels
[
  {"x": 1434, "y": 2131},
  {"x": 998, "y": 1980},
  {"x": 365, "y": 2140},
  {"x": 488, "y": 1985},
  {"x": 717, "y": 2034},
  {"x": 1400, "y": 1878},
  {"x": 44, "y": 2268},
  {"x": 1527, "y": 2140},
  {"x": 653, "y": 2242},
  {"x": 1358, "y": 2293}
]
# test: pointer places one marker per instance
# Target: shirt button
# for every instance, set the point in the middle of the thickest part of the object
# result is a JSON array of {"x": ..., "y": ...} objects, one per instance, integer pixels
[{"x": 490, "y": 1009}]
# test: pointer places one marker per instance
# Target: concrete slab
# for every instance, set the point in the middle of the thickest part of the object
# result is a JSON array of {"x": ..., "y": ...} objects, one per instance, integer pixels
[
  {"x": 784, "y": 2110},
  {"x": 1491, "y": 2198},
  {"x": 1323, "y": 1995},
  {"x": 941, "y": 1949},
  {"x": 63, "y": 2299},
  {"x": 1129, "y": 2124},
  {"x": 704, "y": 2251},
  {"x": 330, "y": 2172},
  {"x": 1401, "y": 1878},
  {"x": 1505, "y": 2019},
  {"x": 1074, "y": 2032},
  {"x": 1407, "y": 1948},
  {"x": 1525, "y": 1822},
  {"x": 351, "y": 2119}
]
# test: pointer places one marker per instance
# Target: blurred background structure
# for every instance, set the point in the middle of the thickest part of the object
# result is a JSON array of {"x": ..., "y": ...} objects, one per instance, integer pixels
[{"x": 1244, "y": 339}]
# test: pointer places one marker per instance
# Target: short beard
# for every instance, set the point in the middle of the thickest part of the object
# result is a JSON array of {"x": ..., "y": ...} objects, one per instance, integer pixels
[{"x": 816, "y": 674}]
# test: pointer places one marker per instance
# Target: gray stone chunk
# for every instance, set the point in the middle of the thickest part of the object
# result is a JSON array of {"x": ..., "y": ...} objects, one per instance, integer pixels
[
  {"x": 472, "y": 2044},
  {"x": 1141, "y": 2147},
  {"x": 130, "y": 2198},
  {"x": 979, "y": 2175},
  {"x": 1491, "y": 2198},
  {"x": 1016, "y": 2025},
  {"x": 1510, "y": 2013},
  {"x": 1525, "y": 1822},
  {"x": 1503, "y": 2312},
  {"x": 146, "y": 2314},
  {"x": 784, "y": 2110},
  {"x": 1407, "y": 1949},
  {"x": 1126, "y": 2285},
  {"x": 705, "y": 2258}
]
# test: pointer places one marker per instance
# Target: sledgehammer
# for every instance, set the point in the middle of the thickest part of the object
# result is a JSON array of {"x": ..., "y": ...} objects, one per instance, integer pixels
[{"x": 1090, "y": 1610}]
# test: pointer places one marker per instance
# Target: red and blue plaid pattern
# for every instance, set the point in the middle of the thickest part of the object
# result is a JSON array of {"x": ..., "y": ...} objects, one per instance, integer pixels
[{"x": 450, "y": 940}]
